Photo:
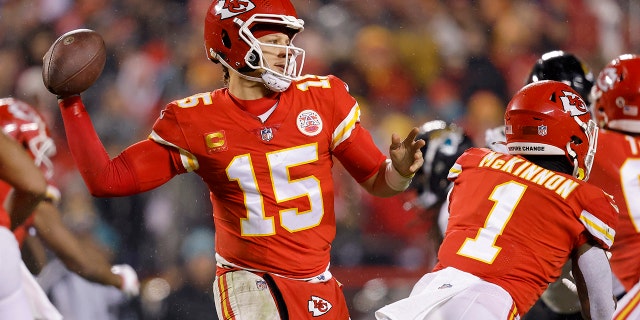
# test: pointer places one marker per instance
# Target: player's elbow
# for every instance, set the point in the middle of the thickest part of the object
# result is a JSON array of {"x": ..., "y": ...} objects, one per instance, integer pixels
[
  {"x": 114, "y": 179},
  {"x": 104, "y": 185},
  {"x": 102, "y": 192},
  {"x": 98, "y": 192}
]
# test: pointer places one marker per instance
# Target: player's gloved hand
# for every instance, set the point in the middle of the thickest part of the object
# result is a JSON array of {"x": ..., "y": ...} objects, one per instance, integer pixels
[
  {"x": 130, "y": 283},
  {"x": 570, "y": 284}
]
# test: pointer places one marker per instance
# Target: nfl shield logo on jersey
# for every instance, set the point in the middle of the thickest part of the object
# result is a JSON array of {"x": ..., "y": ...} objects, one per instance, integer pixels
[
  {"x": 318, "y": 306},
  {"x": 261, "y": 285},
  {"x": 266, "y": 134}
]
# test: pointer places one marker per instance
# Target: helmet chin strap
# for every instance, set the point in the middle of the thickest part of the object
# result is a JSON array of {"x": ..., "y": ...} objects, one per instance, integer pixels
[
  {"x": 275, "y": 82},
  {"x": 577, "y": 171}
]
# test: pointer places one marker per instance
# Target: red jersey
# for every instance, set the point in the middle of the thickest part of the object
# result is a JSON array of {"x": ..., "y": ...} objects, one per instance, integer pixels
[
  {"x": 616, "y": 170},
  {"x": 5, "y": 220},
  {"x": 271, "y": 182},
  {"x": 515, "y": 224},
  {"x": 21, "y": 231}
]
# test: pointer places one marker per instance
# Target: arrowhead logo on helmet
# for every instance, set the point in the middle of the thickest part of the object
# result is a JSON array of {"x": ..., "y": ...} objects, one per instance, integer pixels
[
  {"x": 573, "y": 103},
  {"x": 231, "y": 8},
  {"x": 607, "y": 79}
]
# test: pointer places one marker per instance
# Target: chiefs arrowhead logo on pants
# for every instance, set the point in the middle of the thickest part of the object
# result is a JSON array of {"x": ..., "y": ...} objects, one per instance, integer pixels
[{"x": 318, "y": 306}]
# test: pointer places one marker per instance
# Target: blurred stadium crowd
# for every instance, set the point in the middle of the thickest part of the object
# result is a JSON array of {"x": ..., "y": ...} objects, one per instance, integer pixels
[{"x": 406, "y": 61}]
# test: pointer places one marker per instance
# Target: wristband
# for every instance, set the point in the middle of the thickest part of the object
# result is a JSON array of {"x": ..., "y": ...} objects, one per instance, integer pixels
[
  {"x": 130, "y": 282},
  {"x": 394, "y": 179},
  {"x": 53, "y": 194}
]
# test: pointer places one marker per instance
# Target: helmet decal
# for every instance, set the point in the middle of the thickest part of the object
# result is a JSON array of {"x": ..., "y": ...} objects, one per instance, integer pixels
[
  {"x": 607, "y": 78},
  {"x": 573, "y": 103},
  {"x": 542, "y": 130},
  {"x": 231, "y": 8}
]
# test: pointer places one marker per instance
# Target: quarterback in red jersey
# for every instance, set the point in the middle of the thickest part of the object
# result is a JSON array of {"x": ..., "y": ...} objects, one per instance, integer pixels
[
  {"x": 616, "y": 107},
  {"x": 264, "y": 145},
  {"x": 515, "y": 219}
]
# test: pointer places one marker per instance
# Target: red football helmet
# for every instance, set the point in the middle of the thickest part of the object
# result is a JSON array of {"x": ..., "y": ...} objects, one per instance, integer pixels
[
  {"x": 229, "y": 37},
  {"x": 24, "y": 124},
  {"x": 616, "y": 95},
  {"x": 550, "y": 118}
]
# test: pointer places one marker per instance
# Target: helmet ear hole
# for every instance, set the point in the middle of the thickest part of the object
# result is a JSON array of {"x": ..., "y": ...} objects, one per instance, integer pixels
[
  {"x": 576, "y": 140},
  {"x": 253, "y": 57},
  {"x": 226, "y": 41}
]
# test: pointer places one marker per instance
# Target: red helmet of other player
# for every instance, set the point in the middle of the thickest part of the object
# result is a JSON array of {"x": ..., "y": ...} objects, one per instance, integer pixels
[
  {"x": 23, "y": 123},
  {"x": 616, "y": 95},
  {"x": 550, "y": 118},
  {"x": 231, "y": 30}
]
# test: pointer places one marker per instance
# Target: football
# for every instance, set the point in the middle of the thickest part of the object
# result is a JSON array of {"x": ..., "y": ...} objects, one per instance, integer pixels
[{"x": 73, "y": 62}]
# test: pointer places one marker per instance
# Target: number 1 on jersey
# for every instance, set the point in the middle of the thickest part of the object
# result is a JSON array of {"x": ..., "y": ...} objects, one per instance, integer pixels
[{"x": 482, "y": 248}]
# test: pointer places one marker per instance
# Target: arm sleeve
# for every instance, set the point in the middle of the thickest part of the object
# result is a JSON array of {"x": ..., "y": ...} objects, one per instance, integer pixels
[
  {"x": 360, "y": 156},
  {"x": 593, "y": 279},
  {"x": 140, "y": 167}
]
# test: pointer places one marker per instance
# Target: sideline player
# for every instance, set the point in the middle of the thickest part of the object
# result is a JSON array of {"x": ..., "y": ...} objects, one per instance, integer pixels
[
  {"x": 264, "y": 145},
  {"x": 517, "y": 218},
  {"x": 29, "y": 188},
  {"x": 22, "y": 122},
  {"x": 616, "y": 107}
]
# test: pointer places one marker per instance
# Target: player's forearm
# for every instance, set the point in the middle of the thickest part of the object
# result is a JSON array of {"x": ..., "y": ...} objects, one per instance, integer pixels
[
  {"x": 387, "y": 182},
  {"x": 103, "y": 176},
  {"x": 29, "y": 185},
  {"x": 405, "y": 159},
  {"x": 21, "y": 205},
  {"x": 98, "y": 272},
  {"x": 593, "y": 279},
  {"x": 18, "y": 169},
  {"x": 83, "y": 260},
  {"x": 74, "y": 254}
]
